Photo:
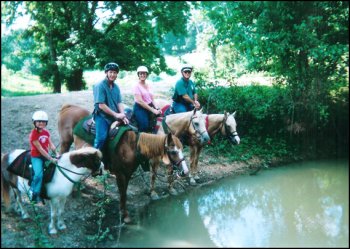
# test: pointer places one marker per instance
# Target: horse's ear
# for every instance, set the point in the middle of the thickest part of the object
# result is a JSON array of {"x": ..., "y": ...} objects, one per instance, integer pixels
[
  {"x": 234, "y": 113},
  {"x": 169, "y": 139},
  {"x": 226, "y": 113}
]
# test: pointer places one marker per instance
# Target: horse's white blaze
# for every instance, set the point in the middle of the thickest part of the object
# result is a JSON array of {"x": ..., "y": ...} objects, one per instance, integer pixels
[{"x": 183, "y": 163}]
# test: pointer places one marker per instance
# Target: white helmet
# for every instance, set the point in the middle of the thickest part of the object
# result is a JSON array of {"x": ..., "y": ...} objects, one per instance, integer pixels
[
  {"x": 186, "y": 67},
  {"x": 141, "y": 69},
  {"x": 40, "y": 116}
]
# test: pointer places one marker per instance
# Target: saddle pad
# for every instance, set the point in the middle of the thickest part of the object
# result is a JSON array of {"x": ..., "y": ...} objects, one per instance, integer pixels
[
  {"x": 89, "y": 138},
  {"x": 20, "y": 166},
  {"x": 113, "y": 143},
  {"x": 80, "y": 131}
]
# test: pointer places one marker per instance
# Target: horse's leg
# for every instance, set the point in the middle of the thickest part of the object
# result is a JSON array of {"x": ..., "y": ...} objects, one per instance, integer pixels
[
  {"x": 19, "y": 204},
  {"x": 193, "y": 166},
  {"x": 171, "y": 180},
  {"x": 122, "y": 184},
  {"x": 54, "y": 203},
  {"x": 60, "y": 222},
  {"x": 154, "y": 167}
]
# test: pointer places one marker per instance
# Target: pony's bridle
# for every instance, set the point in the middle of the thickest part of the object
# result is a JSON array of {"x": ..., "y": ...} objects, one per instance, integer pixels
[
  {"x": 196, "y": 131},
  {"x": 169, "y": 152},
  {"x": 230, "y": 135}
]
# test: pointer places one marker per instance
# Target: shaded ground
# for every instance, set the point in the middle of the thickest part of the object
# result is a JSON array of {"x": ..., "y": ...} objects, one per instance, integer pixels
[{"x": 82, "y": 213}]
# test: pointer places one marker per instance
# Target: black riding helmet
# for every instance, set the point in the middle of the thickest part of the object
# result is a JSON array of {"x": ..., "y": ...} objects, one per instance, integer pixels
[{"x": 112, "y": 66}]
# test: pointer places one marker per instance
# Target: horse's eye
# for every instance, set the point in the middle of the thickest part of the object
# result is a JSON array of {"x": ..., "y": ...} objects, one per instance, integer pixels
[{"x": 196, "y": 123}]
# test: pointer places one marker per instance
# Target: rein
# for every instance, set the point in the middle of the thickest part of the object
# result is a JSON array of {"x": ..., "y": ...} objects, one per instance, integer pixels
[{"x": 66, "y": 176}]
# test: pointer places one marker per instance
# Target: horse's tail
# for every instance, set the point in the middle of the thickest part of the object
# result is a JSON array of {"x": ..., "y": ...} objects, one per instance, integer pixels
[{"x": 5, "y": 185}]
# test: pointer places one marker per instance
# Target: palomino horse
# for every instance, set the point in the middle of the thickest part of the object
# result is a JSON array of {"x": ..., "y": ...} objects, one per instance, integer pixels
[
  {"x": 215, "y": 123},
  {"x": 124, "y": 159},
  {"x": 70, "y": 168},
  {"x": 189, "y": 125}
]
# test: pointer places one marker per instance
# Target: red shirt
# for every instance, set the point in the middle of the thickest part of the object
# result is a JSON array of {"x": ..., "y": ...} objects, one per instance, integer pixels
[{"x": 42, "y": 137}]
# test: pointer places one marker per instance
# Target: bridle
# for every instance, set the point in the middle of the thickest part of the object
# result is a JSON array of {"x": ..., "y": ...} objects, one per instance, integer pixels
[
  {"x": 196, "y": 130},
  {"x": 170, "y": 152},
  {"x": 228, "y": 134}
]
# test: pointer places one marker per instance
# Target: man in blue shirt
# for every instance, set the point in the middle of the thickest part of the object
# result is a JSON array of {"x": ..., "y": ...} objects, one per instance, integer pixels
[
  {"x": 108, "y": 104},
  {"x": 185, "y": 96}
]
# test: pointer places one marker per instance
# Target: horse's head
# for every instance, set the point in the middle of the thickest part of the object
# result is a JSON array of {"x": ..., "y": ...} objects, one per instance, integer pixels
[
  {"x": 230, "y": 128},
  {"x": 197, "y": 126},
  {"x": 88, "y": 157},
  {"x": 173, "y": 154}
]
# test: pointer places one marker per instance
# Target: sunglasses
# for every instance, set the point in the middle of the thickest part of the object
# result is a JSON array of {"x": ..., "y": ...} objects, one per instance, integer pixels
[{"x": 187, "y": 71}]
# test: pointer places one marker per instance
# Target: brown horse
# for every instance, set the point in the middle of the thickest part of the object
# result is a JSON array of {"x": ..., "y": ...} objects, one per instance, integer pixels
[
  {"x": 124, "y": 157},
  {"x": 70, "y": 168},
  {"x": 215, "y": 123}
]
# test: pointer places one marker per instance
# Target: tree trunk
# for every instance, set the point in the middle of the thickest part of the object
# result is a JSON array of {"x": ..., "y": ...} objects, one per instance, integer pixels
[{"x": 75, "y": 81}]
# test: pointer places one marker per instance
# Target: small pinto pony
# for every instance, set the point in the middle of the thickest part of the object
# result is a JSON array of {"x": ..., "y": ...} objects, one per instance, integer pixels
[
  {"x": 70, "y": 168},
  {"x": 125, "y": 157},
  {"x": 215, "y": 123}
]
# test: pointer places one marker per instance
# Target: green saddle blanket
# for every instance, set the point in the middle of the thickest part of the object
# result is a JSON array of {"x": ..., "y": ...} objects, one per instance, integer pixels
[{"x": 89, "y": 138}]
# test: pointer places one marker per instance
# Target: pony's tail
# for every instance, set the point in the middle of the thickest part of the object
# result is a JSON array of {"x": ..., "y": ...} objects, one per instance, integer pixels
[{"x": 5, "y": 187}]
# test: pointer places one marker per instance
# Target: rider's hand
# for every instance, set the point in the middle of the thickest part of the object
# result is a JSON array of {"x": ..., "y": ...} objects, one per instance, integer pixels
[{"x": 197, "y": 105}]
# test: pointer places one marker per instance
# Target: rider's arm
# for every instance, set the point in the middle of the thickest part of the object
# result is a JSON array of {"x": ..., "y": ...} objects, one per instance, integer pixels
[
  {"x": 139, "y": 100},
  {"x": 42, "y": 151}
]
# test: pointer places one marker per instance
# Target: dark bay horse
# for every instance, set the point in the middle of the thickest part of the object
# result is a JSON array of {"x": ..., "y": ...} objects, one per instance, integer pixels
[
  {"x": 71, "y": 167},
  {"x": 215, "y": 123},
  {"x": 124, "y": 157}
]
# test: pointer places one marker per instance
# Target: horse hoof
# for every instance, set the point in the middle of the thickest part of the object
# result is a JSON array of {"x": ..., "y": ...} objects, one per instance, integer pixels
[
  {"x": 172, "y": 191},
  {"x": 53, "y": 232},
  {"x": 127, "y": 220},
  {"x": 25, "y": 217},
  {"x": 62, "y": 227},
  {"x": 192, "y": 181},
  {"x": 154, "y": 196}
]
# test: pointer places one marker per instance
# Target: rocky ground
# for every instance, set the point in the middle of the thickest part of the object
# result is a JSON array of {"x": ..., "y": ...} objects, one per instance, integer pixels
[{"x": 81, "y": 211}]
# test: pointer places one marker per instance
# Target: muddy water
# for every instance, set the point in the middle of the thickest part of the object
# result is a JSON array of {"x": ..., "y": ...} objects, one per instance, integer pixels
[{"x": 299, "y": 205}]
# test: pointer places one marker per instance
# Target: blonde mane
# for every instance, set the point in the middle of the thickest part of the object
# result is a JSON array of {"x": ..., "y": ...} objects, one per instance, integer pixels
[{"x": 151, "y": 145}]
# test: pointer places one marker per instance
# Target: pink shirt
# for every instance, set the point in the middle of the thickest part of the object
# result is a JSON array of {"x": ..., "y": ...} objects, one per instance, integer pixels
[{"x": 144, "y": 91}]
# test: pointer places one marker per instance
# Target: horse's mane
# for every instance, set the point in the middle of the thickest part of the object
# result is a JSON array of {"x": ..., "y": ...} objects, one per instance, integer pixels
[
  {"x": 151, "y": 145},
  {"x": 87, "y": 151}
]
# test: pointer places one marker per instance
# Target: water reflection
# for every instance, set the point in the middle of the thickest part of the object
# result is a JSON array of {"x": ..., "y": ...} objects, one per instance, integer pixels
[{"x": 302, "y": 205}]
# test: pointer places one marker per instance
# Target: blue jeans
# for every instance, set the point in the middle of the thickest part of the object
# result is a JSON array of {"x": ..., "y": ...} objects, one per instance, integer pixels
[
  {"x": 38, "y": 168},
  {"x": 102, "y": 127},
  {"x": 142, "y": 118},
  {"x": 180, "y": 107}
]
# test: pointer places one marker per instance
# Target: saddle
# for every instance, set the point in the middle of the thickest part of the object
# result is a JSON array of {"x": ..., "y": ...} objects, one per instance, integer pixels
[
  {"x": 90, "y": 128},
  {"x": 22, "y": 166}
]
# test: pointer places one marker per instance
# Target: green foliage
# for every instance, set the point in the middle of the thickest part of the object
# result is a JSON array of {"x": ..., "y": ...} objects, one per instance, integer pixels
[{"x": 71, "y": 36}]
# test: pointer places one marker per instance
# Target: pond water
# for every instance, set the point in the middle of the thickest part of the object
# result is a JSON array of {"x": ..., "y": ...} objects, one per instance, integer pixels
[{"x": 298, "y": 205}]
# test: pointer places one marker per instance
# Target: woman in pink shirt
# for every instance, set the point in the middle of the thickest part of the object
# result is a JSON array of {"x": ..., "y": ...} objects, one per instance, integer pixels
[{"x": 144, "y": 106}]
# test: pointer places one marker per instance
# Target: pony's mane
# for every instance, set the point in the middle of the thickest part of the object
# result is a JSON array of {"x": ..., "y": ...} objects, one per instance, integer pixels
[
  {"x": 87, "y": 151},
  {"x": 151, "y": 145}
]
